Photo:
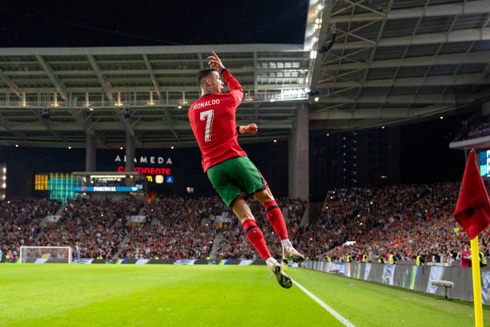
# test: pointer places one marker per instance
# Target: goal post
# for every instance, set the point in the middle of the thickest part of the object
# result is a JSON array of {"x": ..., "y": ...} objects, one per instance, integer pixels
[{"x": 46, "y": 254}]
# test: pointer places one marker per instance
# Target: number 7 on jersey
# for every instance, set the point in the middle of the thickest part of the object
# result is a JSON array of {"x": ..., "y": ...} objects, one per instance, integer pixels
[{"x": 208, "y": 116}]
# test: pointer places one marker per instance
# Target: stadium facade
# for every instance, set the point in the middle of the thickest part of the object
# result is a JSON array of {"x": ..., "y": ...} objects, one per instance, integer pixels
[{"x": 361, "y": 67}]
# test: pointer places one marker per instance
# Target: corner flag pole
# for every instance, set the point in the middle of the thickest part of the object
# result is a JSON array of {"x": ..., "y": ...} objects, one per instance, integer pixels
[
  {"x": 475, "y": 261},
  {"x": 475, "y": 270},
  {"x": 473, "y": 214}
]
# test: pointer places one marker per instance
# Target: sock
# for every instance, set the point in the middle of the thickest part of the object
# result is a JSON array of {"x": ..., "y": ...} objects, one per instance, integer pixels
[
  {"x": 255, "y": 236},
  {"x": 269, "y": 260},
  {"x": 285, "y": 243},
  {"x": 275, "y": 218}
]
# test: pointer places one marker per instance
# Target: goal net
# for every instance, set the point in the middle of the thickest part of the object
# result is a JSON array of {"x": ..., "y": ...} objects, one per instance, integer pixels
[{"x": 45, "y": 254}]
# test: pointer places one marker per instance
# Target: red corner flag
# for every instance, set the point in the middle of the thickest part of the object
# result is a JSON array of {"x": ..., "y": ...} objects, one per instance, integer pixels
[{"x": 473, "y": 206}]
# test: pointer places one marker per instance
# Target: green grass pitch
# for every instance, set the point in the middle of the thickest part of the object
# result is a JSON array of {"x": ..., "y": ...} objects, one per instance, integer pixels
[{"x": 165, "y": 295}]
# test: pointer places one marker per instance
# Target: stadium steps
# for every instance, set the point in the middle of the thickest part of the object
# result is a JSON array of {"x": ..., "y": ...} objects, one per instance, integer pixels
[
  {"x": 312, "y": 213},
  {"x": 121, "y": 247},
  {"x": 43, "y": 228},
  {"x": 41, "y": 232},
  {"x": 60, "y": 209},
  {"x": 216, "y": 242}
]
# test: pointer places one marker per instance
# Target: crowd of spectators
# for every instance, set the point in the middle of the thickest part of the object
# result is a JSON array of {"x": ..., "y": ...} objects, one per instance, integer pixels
[
  {"x": 474, "y": 127},
  {"x": 404, "y": 221},
  {"x": 20, "y": 222},
  {"x": 98, "y": 227},
  {"x": 175, "y": 228}
]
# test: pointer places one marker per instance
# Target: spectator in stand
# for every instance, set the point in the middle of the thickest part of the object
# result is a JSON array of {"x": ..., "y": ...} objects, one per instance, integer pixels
[
  {"x": 477, "y": 125},
  {"x": 482, "y": 256},
  {"x": 465, "y": 257}
]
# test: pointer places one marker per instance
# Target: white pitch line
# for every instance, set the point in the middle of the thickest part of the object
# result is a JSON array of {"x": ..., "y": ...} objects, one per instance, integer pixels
[{"x": 334, "y": 313}]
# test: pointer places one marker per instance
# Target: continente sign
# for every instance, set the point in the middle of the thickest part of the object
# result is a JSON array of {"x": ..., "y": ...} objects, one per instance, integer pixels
[{"x": 150, "y": 165}]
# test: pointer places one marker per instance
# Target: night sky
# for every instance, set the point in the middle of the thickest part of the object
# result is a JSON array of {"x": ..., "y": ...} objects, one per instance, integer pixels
[{"x": 40, "y": 23}]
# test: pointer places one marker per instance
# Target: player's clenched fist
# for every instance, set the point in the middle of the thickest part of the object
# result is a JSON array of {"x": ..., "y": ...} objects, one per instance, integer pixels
[{"x": 251, "y": 128}]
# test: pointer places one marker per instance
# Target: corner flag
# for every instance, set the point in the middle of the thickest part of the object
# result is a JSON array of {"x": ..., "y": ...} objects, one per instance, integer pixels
[
  {"x": 473, "y": 206},
  {"x": 473, "y": 213}
]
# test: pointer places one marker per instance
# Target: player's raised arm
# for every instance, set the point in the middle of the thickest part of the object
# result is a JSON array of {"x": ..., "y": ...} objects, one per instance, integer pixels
[{"x": 235, "y": 87}]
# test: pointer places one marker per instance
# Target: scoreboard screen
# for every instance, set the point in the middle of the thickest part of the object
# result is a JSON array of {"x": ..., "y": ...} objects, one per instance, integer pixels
[
  {"x": 485, "y": 163},
  {"x": 108, "y": 188}
]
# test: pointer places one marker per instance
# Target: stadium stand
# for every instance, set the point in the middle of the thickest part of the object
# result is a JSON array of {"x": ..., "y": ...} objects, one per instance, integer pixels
[
  {"x": 400, "y": 220},
  {"x": 403, "y": 220},
  {"x": 175, "y": 228},
  {"x": 20, "y": 222},
  {"x": 474, "y": 127},
  {"x": 98, "y": 227}
]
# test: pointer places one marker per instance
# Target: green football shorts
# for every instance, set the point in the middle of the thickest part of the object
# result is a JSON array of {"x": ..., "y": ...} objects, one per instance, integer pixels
[{"x": 236, "y": 177}]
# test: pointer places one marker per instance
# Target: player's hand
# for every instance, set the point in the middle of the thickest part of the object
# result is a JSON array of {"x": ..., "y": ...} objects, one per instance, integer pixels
[
  {"x": 215, "y": 62},
  {"x": 251, "y": 128}
]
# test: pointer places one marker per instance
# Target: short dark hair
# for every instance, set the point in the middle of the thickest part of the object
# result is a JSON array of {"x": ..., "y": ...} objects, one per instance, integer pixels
[{"x": 203, "y": 74}]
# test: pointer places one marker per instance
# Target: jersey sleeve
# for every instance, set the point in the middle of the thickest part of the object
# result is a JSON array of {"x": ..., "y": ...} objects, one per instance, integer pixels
[{"x": 235, "y": 87}]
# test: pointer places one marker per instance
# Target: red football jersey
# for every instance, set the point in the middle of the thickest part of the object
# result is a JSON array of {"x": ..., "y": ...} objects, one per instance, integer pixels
[{"x": 212, "y": 119}]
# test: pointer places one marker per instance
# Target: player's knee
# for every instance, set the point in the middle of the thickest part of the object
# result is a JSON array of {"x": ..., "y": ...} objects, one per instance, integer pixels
[
  {"x": 243, "y": 217},
  {"x": 264, "y": 196}
]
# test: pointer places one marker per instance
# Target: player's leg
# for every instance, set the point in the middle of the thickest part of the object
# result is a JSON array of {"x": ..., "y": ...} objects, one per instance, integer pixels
[
  {"x": 256, "y": 237},
  {"x": 276, "y": 219},
  {"x": 251, "y": 180},
  {"x": 273, "y": 213},
  {"x": 223, "y": 177},
  {"x": 252, "y": 231}
]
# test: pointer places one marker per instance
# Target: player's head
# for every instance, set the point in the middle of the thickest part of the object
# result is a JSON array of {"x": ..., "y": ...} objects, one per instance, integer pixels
[{"x": 209, "y": 81}]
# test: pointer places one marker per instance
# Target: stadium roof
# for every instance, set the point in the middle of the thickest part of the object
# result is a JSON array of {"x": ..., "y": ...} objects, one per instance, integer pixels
[
  {"x": 392, "y": 61},
  {"x": 57, "y": 95}
]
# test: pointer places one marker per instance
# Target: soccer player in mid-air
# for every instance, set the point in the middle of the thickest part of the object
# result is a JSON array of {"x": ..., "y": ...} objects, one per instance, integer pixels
[{"x": 233, "y": 175}]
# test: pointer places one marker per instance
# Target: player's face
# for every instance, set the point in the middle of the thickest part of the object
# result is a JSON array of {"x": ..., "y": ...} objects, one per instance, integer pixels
[{"x": 217, "y": 84}]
